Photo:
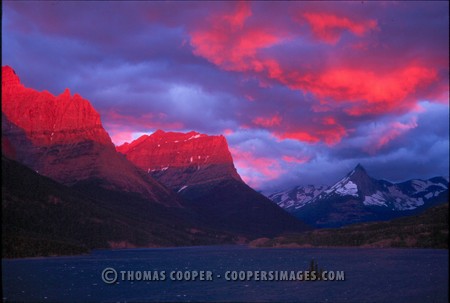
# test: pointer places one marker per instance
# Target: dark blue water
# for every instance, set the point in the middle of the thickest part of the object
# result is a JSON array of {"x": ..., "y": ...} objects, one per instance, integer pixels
[{"x": 371, "y": 275}]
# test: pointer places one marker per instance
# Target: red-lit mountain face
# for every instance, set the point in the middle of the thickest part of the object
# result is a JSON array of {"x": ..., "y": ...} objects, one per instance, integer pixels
[
  {"x": 62, "y": 137},
  {"x": 200, "y": 168},
  {"x": 180, "y": 160}
]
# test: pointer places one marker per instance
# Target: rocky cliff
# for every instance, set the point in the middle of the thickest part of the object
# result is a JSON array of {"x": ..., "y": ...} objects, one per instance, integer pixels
[
  {"x": 179, "y": 160},
  {"x": 62, "y": 137}
]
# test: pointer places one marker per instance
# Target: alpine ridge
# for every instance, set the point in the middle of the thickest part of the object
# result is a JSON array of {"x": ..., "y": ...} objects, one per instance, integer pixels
[
  {"x": 359, "y": 198},
  {"x": 62, "y": 137}
]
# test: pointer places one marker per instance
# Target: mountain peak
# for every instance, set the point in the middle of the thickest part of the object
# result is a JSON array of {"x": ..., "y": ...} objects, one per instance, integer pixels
[
  {"x": 9, "y": 77},
  {"x": 158, "y": 132},
  {"x": 359, "y": 167},
  {"x": 65, "y": 93},
  {"x": 62, "y": 137},
  {"x": 48, "y": 119},
  {"x": 358, "y": 172},
  {"x": 180, "y": 159},
  {"x": 356, "y": 183}
]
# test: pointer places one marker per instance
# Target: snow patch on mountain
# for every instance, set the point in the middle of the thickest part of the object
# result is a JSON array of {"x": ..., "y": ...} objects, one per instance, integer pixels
[
  {"x": 348, "y": 189},
  {"x": 345, "y": 187},
  {"x": 377, "y": 199},
  {"x": 297, "y": 197},
  {"x": 184, "y": 187},
  {"x": 194, "y": 137}
]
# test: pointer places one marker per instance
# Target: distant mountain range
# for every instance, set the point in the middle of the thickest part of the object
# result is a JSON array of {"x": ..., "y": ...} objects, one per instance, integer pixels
[{"x": 359, "y": 198}]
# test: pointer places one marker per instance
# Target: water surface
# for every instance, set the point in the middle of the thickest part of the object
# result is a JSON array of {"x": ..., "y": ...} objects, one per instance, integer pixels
[{"x": 371, "y": 275}]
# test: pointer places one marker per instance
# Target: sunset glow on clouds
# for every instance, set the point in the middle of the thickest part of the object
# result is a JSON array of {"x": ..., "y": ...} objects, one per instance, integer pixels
[
  {"x": 329, "y": 27},
  {"x": 303, "y": 91}
]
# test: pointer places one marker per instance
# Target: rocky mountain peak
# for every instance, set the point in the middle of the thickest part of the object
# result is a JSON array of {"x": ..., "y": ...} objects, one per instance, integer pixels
[
  {"x": 9, "y": 78},
  {"x": 359, "y": 175},
  {"x": 359, "y": 167},
  {"x": 62, "y": 137},
  {"x": 47, "y": 119},
  {"x": 179, "y": 159}
]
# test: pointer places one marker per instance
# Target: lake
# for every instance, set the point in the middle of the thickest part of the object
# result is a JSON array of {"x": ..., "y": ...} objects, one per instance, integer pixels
[{"x": 371, "y": 275}]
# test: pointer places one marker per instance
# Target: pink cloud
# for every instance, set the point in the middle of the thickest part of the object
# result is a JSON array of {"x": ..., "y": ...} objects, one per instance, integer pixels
[
  {"x": 147, "y": 120},
  {"x": 268, "y": 122},
  {"x": 388, "y": 133},
  {"x": 291, "y": 159},
  {"x": 255, "y": 170},
  {"x": 233, "y": 43},
  {"x": 229, "y": 44},
  {"x": 228, "y": 131},
  {"x": 297, "y": 135},
  {"x": 119, "y": 137},
  {"x": 360, "y": 91},
  {"x": 122, "y": 128},
  {"x": 329, "y": 27},
  {"x": 326, "y": 129}
]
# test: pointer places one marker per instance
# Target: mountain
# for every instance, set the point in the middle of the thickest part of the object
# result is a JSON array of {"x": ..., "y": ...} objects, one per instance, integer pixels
[
  {"x": 359, "y": 198},
  {"x": 407, "y": 195},
  {"x": 179, "y": 160},
  {"x": 62, "y": 137},
  {"x": 66, "y": 189},
  {"x": 297, "y": 197},
  {"x": 200, "y": 169}
]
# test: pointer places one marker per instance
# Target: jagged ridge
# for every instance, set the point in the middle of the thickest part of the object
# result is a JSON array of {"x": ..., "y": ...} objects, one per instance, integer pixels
[
  {"x": 358, "y": 197},
  {"x": 62, "y": 137}
]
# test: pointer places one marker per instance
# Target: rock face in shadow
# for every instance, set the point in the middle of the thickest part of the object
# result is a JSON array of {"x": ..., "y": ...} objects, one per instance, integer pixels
[{"x": 41, "y": 217}]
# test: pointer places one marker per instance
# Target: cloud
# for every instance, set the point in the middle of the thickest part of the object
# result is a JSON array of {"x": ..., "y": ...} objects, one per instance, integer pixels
[
  {"x": 298, "y": 88},
  {"x": 291, "y": 159},
  {"x": 256, "y": 170},
  {"x": 353, "y": 91},
  {"x": 385, "y": 134},
  {"x": 368, "y": 93},
  {"x": 329, "y": 28},
  {"x": 228, "y": 44},
  {"x": 268, "y": 122}
]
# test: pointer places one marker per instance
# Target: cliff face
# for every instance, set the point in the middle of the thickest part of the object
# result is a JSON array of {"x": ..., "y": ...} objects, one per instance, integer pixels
[
  {"x": 47, "y": 119},
  {"x": 179, "y": 160},
  {"x": 62, "y": 137}
]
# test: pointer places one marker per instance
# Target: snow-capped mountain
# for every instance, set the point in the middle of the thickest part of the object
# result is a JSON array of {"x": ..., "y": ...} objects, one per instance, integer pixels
[
  {"x": 297, "y": 197},
  {"x": 395, "y": 196},
  {"x": 358, "y": 197}
]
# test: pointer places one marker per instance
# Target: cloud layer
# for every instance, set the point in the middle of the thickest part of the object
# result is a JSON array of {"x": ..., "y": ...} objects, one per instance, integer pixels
[{"x": 303, "y": 91}]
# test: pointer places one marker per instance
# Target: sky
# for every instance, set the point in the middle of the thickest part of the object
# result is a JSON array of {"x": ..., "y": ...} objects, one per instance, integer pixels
[{"x": 302, "y": 91}]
